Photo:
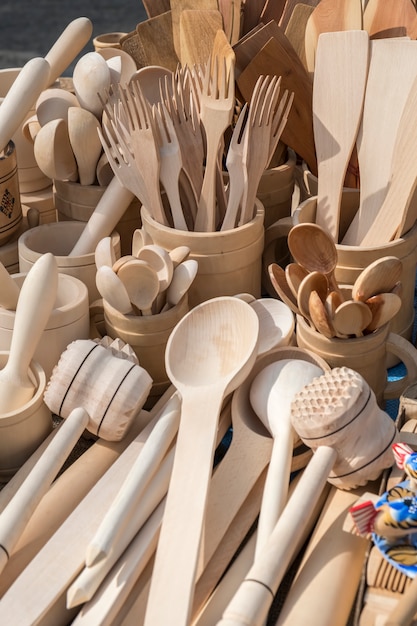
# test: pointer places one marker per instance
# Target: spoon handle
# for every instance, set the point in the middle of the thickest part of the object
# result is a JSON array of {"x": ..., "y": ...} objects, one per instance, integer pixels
[
  {"x": 183, "y": 521},
  {"x": 71, "y": 41},
  {"x": 9, "y": 290},
  {"x": 29, "y": 83}
]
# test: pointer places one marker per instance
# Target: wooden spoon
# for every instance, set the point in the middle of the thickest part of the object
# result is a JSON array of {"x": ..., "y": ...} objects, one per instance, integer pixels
[
  {"x": 313, "y": 248},
  {"x": 141, "y": 282},
  {"x": 279, "y": 283},
  {"x": 34, "y": 306},
  {"x": 295, "y": 274},
  {"x": 54, "y": 103},
  {"x": 276, "y": 323},
  {"x": 21, "y": 97},
  {"x": 314, "y": 281},
  {"x": 9, "y": 294},
  {"x": 140, "y": 238},
  {"x": 383, "y": 307},
  {"x": 319, "y": 315},
  {"x": 271, "y": 394},
  {"x": 351, "y": 318},
  {"x": 378, "y": 277},
  {"x": 91, "y": 76},
  {"x": 338, "y": 92},
  {"x": 53, "y": 152},
  {"x": 85, "y": 142},
  {"x": 208, "y": 354},
  {"x": 182, "y": 279},
  {"x": 112, "y": 289},
  {"x": 160, "y": 261},
  {"x": 104, "y": 253}
]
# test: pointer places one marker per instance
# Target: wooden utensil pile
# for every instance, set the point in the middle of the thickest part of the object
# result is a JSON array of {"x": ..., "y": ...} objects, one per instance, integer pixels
[
  {"x": 151, "y": 147},
  {"x": 308, "y": 286},
  {"x": 150, "y": 281},
  {"x": 64, "y": 128}
]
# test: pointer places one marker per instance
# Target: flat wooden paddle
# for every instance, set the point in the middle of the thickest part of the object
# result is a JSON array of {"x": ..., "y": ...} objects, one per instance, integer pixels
[
  {"x": 177, "y": 6},
  {"x": 290, "y": 5},
  {"x": 338, "y": 94},
  {"x": 156, "y": 7},
  {"x": 392, "y": 69},
  {"x": 390, "y": 18},
  {"x": 198, "y": 30},
  {"x": 296, "y": 29},
  {"x": 397, "y": 214},
  {"x": 330, "y": 16},
  {"x": 152, "y": 42},
  {"x": 273, "y": 58}
]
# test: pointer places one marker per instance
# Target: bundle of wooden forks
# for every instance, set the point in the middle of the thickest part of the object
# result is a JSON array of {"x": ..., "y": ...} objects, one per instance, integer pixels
[{"x": 171, "y": 154}]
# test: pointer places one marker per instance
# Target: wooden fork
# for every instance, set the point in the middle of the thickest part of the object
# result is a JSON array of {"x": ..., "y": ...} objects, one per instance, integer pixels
[
  {"x": 265, "y": 125},
  {"x": 236, "y": 169},
  {"x": 217, "y": 105}
]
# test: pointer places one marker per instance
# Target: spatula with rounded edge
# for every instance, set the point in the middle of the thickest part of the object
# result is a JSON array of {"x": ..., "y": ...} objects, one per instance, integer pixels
[
  {"x": 9, "y": 290},
  {"x": 338, "y": 92},
  {"x": 34, "y": 306},
  {"x": 208, "y": 354},
  {"x": 271, "y": 394}
]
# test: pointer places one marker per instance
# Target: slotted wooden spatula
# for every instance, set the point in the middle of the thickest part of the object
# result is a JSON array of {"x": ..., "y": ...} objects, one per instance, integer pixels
[
  {"x": 392, "y": 69},
  {"x": 338, "y": 93},
  {"x": 330, "y": 16}
]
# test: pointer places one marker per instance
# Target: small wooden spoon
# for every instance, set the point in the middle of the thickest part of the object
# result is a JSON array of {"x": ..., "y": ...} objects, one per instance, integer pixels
[
  {"x": 314, "y": 281},
  {"x": 9, "y": 293},
  {"x": 279, "y": 283},
  {"x": 319, "y": 315},
  {"x": 141, "y": 282},
  {"x": 295, "y": 274},
  {"x": 271, "y": 394},
  {"x": 104, "y": 253},
  {"x": 158, "y": 258},
  {"x": 36, "y": 300},
  {"x": 53, "y": 103},
  {"x": 378, "y": 277},
  {"x": 91, "y": 76},
  {"x": 53, "y": 152},
  {"x": 313, "y": 248},
  {"x": 208, "y": 355},
  {"x": 140, "y": 238},
  {"x": 182, "y": 279},
  {"x": 85, "y": 142},
  {"x": 179, "y": 254},
  {"x": 383, "y": 307},
  {"x": 113, "y": 290},
  {"x": 351, "y": 318}
]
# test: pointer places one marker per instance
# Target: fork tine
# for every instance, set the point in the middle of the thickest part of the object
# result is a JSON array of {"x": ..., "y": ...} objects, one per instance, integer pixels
[
  {"x": 240, "y": 126},
  {"x": 272, "y": 98}
]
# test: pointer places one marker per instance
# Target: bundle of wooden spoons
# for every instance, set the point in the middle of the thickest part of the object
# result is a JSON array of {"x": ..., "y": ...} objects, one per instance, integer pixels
[
  {"x": 149, "y": 282},
  {"x": 309, "y": 286}
]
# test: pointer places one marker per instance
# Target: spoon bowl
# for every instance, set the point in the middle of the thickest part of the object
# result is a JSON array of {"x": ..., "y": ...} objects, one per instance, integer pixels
[
  {"x": 53, "y": 152},
  {"x": 280, "y": 284}
]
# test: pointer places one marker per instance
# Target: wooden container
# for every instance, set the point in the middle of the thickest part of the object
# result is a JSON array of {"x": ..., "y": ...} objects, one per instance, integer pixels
[
  {"x": 77, "y": 202},
  {"x": 10, "y": 205},
  {"x": 69, "y": 320},
  {"x": 59, "y": 238},
  {"x": 366, "y": 355},
  {"x": 147, "y": 335},
  {"x": 23, "y": 430},
  {"x": 108, "y": 40},
  {"x": 229, "y": 262}
]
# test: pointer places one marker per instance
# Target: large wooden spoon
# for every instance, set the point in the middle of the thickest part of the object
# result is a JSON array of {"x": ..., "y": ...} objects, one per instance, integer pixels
[
  {"x": 208, "y": 354},
  {"x": 271, "y": 394},
  {"x": 53, "y": 151},
  {"x": 338, "y": 92},
  {"x": 377, "y": 277},
  {"x": 313, "y": 248},
  {"x": 34, "y": 306},
  {"x": 21, "y": 97}
]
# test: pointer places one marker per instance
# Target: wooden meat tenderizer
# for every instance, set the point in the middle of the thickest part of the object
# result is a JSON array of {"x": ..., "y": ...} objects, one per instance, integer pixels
[
  {"x": 333, "y": 415},
  {"x": 105, "y": 378}
]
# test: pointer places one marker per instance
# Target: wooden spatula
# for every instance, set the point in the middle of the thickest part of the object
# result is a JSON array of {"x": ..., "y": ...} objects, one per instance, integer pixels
[
  {"x": 338, "y": 94},
  {"x": 198, "y": 30},
  {"x": 289, "y": 9},
  {"x": 296, "y": 29},
  {"x": 397, "y": 215},
  {"x": 274, "y": 59},
  {"x": 390, "y": 18},
  {"x": 152, "y": 43},
  {"x": 156, "y": 7},
  {"x": 330, "y": 16},
  {"x": 392, "y": 69},
  {"x": 177, "y": 6}
]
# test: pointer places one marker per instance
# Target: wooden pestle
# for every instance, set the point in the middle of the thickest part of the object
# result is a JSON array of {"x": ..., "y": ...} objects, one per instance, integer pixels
[{"x": 330, "y": 414}]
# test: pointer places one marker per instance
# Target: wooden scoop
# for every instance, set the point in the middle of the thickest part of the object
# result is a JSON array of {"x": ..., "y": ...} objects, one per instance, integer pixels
[
  {"x": 21, "y": 97},
  {"x": 338, "y": 92},
  {"x": 208, "y": 354},
  {"x": 34, "y": 306}
]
